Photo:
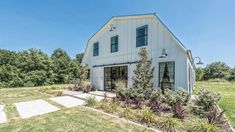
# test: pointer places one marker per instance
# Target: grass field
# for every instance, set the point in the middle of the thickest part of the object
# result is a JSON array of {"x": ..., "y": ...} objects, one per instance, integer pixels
[
  {"x": 66, "y": 119},
  {"x": 227, "y": 90}
]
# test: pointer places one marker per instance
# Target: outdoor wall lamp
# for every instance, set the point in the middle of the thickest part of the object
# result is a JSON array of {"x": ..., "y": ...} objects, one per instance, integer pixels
[
  {"x": 199, "y": 60},
  {"x": 112, "y": 28},
  {"x": 164, "y": 54}
]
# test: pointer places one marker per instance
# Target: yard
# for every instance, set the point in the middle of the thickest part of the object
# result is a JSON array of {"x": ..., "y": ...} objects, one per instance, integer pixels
[
  {"x": 66, "y": 119},
  {"x": 227, "y": 90}
]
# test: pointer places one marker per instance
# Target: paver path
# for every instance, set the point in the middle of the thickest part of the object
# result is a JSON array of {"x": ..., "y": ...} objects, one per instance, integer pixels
[
  {"x": 3, "y": 117},
  {"x": 34, "y": 108},
  {"x": 85, "y": 96},
  {"x": 68, "y": 101}
]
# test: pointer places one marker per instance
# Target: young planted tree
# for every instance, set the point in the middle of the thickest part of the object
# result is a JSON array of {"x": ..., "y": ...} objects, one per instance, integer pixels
[{"x": 142, "y": 79}]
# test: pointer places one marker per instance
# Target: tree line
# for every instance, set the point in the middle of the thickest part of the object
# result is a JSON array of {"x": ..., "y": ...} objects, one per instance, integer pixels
[
  {"x": 33, "y": 67},
  {"x": 215, "y": 70}
]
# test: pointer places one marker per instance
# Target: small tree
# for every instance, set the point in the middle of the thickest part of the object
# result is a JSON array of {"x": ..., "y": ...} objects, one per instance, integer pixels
[
  {"x": 216, "y": 70},
  {"x": 143, "y": 74}
]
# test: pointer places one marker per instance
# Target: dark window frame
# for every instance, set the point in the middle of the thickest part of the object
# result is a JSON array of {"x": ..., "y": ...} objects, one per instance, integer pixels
[
  {"x": 114, "y": 44},
  {"x": 96, "y": 49},
  {"x": 144, "y": 36},
  {"x": 159, "y": 71}
]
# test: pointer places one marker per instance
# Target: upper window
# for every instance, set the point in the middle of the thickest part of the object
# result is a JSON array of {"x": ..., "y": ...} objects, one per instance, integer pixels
[
  {"x": 96, "y": 49},
  {"x": 142, "y": 36},
  {"x": 167, "y": 74},
  {"x": 114, "y": 44}
]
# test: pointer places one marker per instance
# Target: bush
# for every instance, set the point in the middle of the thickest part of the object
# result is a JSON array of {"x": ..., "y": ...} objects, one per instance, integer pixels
[
  {"x": 207, "y": 99},
  {"x": 120, "y": 84},
  {"x": 147, "y": 115},
  {"x": 213, "y": 116},
  {"x": 91, "y": 101},
  {"x": 170, "y": 124},
  {"x": 126, "y": 113},
  {"x": 114, "y": 105},
  {"x": 84, "y": 86},
  {"x": 204, "y": 127},
  {"x": 156, "y": 101},
  {"x": 179, "y": 111}
]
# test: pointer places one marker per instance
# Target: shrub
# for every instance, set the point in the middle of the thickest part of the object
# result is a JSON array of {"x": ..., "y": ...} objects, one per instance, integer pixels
[
  {"x": 120, "y": 84},
  {"x": 178, "y": 111},
  {"x": 147, "y": 115},
  {"x": 170, "y": 124},
  {"x": 156, "y": 101},
  {"x": 104, "y": 105},
  {"x": 207, "y": 99},
  {"x": 114, "y": 105},
  {"x": 213, "y": 116},
  {"x": 91, "y": 101},
  {"x": 126, "y": 113},
  {"x": 205, "y": 127},
  {"x": 84, "y": 86},
  {"x": 124, "y": 95}
]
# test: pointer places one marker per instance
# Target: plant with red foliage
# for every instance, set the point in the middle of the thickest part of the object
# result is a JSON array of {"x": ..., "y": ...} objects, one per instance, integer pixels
[
  {"x": 214, "y": 116},
  {"x": 179, "y": 111}
]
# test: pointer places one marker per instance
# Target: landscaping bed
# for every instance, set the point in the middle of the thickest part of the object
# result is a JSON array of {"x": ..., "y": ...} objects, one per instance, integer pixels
[{"x": 166, "y": 116}]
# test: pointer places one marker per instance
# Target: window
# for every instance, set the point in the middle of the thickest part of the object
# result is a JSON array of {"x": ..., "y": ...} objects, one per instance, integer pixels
[
  {"x": 114, "y": 44},
  {"x": 142, "y": 36},
  {"x": 96, "y": 49},
  {"x": 166, "y": 74},
  {"x": 88, "y": 74}
]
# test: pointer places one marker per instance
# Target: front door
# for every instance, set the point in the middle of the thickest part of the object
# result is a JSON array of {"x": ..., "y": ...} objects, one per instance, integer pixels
[{"x": 115, "y": 77}]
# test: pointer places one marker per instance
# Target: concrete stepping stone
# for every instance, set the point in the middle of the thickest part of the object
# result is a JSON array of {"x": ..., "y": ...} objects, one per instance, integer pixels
[
  {"x": 3, "y": 117},
  {"x": 86, "y": 95},
  {"x": 68, "y": 101},
  {"x": 34, "y": 108}
]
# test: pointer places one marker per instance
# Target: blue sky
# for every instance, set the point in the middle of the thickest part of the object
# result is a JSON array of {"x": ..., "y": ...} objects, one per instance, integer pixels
[{"x": 205, "y": 27}]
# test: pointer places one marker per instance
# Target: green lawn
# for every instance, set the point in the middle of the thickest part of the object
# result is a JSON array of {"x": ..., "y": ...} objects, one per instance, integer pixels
[
  {"x": 227, "y": 90},
  {"x": 66, "y": 119}
]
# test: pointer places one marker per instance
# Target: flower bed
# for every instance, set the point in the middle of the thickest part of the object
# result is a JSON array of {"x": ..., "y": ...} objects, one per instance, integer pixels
[{"x": 173, "y": 111}]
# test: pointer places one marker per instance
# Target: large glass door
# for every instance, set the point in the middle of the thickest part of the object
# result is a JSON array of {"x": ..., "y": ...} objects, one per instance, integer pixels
[{"x": 115, "y": 77}]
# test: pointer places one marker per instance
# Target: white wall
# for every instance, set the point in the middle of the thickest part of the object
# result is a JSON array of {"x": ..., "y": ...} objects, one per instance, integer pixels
[{"x": 158, "y": 38}]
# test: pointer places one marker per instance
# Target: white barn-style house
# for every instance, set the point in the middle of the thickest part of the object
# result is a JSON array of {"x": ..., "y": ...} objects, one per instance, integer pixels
[{"x": 112, "y": 52}]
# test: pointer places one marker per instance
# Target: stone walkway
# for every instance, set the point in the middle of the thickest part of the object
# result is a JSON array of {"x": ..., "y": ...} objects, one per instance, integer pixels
[
  {"x": 39, "y": 107},
  {"x": 3, "y": 117},
  {"x": 68, "y": 101},
  {"x": 34, "y": 108}
]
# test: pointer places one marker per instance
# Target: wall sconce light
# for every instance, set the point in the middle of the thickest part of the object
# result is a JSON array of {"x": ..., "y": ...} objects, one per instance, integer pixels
[
  {"x": 112, "y": 28},
  {"x": 199, "y": 60},
  {"x": 164, "y": 54}
]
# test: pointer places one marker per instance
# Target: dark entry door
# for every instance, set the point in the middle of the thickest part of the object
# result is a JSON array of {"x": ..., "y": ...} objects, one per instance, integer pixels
[{"x": 115, "y": 77}]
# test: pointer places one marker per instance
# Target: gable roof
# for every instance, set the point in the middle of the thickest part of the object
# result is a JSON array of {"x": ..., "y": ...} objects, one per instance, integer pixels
[{"x": 134, "y": 16}]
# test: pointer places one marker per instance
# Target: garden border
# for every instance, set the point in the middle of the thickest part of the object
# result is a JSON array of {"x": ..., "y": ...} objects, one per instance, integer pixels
[{"x": 123, "y": 119}]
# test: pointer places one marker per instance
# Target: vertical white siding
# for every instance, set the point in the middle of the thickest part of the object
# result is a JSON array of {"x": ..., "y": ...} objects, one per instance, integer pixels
[{"x": 158, "y": 38}]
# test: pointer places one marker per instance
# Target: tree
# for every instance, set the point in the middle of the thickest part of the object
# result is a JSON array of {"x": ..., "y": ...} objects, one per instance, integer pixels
[
  {"x": 199, "y": 74},
  {"x": 79, "y": 57},
  {"x": 35, "y": 67},
  {"x": 61, "y": 62},
  {"x": 143, "y": 74},
  {"x": 232, "y": 75},
  {"x": 216, "y": 70}
]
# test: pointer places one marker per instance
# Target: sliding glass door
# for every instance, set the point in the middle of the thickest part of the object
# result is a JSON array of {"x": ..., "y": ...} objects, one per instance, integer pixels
[{"x": 115, "y": 77}]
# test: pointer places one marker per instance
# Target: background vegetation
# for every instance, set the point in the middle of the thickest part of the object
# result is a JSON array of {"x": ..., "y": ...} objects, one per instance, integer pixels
[
  {"x": 35, "y": 68},
  {"x": 215, "y": 71}
]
